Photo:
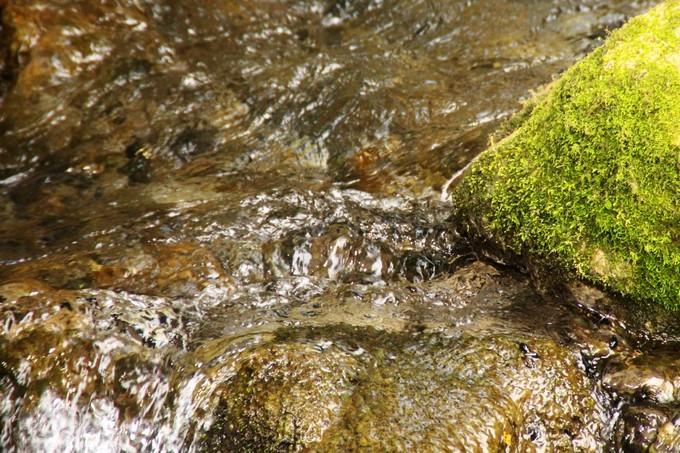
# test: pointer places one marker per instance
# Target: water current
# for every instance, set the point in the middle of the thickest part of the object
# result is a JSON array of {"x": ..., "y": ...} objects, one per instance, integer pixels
[{"x": 224, "y": 226}]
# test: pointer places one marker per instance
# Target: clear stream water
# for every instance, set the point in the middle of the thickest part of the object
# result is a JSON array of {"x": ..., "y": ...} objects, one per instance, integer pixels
[{"x": 224, "y": 226}]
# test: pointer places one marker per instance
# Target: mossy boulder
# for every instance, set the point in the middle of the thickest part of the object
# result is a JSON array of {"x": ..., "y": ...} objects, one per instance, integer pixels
[{"x": 589, "y": 178}]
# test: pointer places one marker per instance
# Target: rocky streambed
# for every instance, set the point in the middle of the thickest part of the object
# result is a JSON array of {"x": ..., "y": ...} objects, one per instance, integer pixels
[{"x": 225, "y": 226}]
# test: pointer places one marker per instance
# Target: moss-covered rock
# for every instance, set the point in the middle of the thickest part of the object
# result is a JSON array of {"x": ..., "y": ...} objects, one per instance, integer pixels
[{"x": 589, "y": 180}]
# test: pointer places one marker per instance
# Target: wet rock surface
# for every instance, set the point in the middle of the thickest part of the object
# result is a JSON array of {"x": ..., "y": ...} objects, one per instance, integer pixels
[
  {"x": 222, "y": 228},
  {"x": 456, "y": 382},
  {"x": 448, "y": 363}
]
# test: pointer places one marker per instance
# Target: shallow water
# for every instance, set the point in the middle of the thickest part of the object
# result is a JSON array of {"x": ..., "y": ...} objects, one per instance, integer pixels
[{"x": 225, "y": 227}]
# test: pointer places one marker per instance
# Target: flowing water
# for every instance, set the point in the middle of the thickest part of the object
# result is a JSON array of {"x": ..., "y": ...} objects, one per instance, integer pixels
[{"x": 224, "y": 227}]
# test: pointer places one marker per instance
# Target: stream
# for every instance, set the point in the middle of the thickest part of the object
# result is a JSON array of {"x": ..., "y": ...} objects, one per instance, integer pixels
[{"x": 225, "y": 226}]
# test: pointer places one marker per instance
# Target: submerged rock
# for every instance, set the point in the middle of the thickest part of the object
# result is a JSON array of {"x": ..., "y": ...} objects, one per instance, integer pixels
[
  {"x": 645, "y": 428},
  {"x": 590, "y": 176},
  {"x": 454, "y": 363},
  {"x": 451, "y": 365},
  {"x": 347, "y": 389}
]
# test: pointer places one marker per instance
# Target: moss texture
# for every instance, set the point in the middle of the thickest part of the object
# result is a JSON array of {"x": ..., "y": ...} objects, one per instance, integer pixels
[{"x": 590, "y": 179}]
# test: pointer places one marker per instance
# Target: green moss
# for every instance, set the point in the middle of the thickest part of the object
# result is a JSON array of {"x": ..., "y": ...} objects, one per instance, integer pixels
[{"x": 591, "y": 178}]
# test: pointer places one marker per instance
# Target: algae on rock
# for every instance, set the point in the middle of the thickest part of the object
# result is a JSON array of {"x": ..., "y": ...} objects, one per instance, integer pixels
[{"x": 590, "y": 179}]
